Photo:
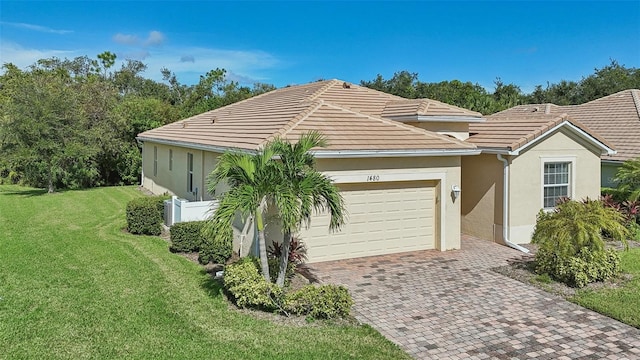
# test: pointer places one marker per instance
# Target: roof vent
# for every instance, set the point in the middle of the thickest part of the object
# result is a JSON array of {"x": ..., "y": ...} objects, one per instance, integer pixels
[
  {"x": 184, "y": 124},
  {"x": 346, "y": 85},
  {"x": 535, "y": 109},
  {"x": 213, "y": 120}
]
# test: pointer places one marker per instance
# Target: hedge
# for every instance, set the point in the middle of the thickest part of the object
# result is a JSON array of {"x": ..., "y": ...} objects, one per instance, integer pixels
[
  {"x": 145, "y": 215},
  {"x": 187, "y": 236}
]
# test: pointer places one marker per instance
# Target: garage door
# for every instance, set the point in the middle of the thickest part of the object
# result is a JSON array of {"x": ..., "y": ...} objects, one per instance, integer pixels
[{"x": 384, "y": 218}]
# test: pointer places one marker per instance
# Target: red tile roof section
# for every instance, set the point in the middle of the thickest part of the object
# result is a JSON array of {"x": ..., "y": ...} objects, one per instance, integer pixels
[
  {"x": 511, "y": 132},
  {"x": 616, "y": 118},
  {"x": 348, "y": 115}
]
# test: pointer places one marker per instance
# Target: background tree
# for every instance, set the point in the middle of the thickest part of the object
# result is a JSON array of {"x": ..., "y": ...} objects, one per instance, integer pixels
[{"x": 45, "y": 128}]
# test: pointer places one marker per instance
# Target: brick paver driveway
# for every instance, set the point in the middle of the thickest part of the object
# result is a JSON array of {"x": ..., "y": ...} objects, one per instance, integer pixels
[{"x": 452, "y": 306}]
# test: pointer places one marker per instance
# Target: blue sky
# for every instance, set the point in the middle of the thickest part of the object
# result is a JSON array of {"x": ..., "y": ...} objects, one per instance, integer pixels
[{"x": 526, "y": 43}]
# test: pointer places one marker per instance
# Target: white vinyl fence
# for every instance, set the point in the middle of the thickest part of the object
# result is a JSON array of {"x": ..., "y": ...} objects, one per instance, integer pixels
[{"x": 180, "y": 210}]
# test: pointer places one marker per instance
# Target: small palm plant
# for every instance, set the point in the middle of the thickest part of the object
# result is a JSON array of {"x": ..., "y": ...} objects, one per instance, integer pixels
[
  {"x": 252, "y": 178},
  {"x": 571, "y": 244},
  {"x": 303, "y": 191},
  {"x": 628, "y": 179}
]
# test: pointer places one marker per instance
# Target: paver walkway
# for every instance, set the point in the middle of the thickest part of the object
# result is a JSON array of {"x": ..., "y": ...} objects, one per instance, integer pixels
[{"x": 450, "y": 305}]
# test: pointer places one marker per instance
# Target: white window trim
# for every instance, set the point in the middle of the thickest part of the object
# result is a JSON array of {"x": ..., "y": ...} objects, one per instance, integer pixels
[
  {"x": 572, "y": 175},
  {"x": 155, "y": 161},
  {"x": 190, "y": 172}
]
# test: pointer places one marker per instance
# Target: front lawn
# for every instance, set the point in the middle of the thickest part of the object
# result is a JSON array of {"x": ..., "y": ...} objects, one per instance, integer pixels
[
  {"x": 621, "y": 303},
  {"x": 74, "y": 285}
]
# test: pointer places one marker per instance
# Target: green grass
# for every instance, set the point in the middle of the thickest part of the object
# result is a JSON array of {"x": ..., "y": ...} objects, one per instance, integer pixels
[
  {"x": 620, "y": 303},
  {"x": 74, "y": 285}
]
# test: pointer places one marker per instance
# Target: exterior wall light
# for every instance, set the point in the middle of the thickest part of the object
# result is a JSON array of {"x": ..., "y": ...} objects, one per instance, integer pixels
[{"x": 455, "y": 192}]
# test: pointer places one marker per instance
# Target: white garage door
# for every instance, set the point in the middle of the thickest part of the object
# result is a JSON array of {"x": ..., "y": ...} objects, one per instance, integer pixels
[{"x": 384, "y": 218}]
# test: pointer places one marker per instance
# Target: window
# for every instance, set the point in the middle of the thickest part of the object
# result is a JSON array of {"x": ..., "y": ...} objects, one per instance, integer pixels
[
  {"x": 155, "y": 161},
  {"x": 190, "y": 172},
  {"x": 170, "y": 159},
  {"x": 557, "y": 178}
]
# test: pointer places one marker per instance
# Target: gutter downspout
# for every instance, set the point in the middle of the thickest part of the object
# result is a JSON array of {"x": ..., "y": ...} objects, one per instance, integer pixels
[
  {"x": 142, "y": 167},
  {"x": 505, "y": 207}
]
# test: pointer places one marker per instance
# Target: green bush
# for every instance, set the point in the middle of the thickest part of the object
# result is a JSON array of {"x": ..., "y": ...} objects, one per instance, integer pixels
[
  {"x": 216, "y": 248},
  {"x": 187, "y": 236},
  {"x": 571, "y": 247},
  {"x": 578, "y": 271},
  {"x": 320, "y": 302},
  {"x": 144, "y": 215},
  {"x": 249, "y": 289}
]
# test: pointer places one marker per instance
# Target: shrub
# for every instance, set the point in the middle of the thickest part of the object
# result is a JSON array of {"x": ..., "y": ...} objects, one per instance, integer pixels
[
  {"x": 571, "y": 247},
  {"x": 320, "y": 302},
  {"x": 249, "y": 289},
  {"x": 297, "y": 251},
  {"x": 274, "y": 270},
  {"x": 578, "y": 271},
  {"x": 217, "y": 249},
  {"x": 144, "y": 215},
  {"x": 187, "y": 236}
]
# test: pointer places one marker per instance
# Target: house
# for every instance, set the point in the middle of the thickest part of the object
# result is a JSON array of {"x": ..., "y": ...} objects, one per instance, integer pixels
[
  {"x": 615, "y": 117},
  {"x": 396, "y": 178},
  {"x": 399, "y": 163},
  {"x": 528, "y": 162}
]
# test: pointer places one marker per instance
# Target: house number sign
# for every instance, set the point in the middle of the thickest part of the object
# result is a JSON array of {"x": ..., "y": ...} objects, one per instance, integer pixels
[{"x": 371, "y": 178}]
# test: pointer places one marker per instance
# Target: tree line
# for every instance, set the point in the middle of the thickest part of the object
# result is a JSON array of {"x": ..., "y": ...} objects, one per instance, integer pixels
[
  {"x": 604, "y": 81},
  {"x": 72, "y": 123}
]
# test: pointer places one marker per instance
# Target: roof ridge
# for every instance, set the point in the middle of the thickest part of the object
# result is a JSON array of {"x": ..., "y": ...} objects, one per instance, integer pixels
[
  {"x": 313, "y": 106},
  {"x": 636, "y": 100},
  {"x": 401, "y": 125},
  {"x": 424, "y": 105},
  {"x": 322, "y": 90}
]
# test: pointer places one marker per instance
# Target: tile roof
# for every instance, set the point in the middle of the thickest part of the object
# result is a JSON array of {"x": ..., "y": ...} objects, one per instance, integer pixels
[
  {"x": 615, "y": 117},
  {"x": 425, "y": 107},
  {"x": 348, "y": 115},
  {"x": 513, "y": 131}
]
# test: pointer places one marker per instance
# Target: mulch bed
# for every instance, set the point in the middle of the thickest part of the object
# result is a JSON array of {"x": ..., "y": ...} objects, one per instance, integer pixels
[{"x": 523, "y": 270}]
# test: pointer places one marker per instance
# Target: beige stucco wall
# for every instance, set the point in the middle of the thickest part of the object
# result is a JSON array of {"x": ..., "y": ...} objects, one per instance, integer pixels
[
  {"x": 445, "y": 169},
  {"x": 526, "y": 181},
  {"x": 174, "y": 181},
  {"x": 459, "y": 130},
  {"x": 482, "y": 193}
]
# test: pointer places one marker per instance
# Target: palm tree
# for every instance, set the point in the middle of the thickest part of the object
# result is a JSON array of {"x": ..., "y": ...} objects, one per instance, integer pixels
[
  {"x": 302, "y": 191},
  {"x": 628, "y": 178},
  {"x": 252, "y": 178}
]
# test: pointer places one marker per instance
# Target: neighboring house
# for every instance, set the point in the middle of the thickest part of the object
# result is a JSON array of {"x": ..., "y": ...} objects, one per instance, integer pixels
[
  {"x": 400, "y": 164},
  {"x": 615, "y": 117},
  {"x": 528, "y": 162},
  {"x": 396, "y": 179}
]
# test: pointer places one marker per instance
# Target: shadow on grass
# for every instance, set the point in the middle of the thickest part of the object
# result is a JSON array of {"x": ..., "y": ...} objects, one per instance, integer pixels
[
  {"x": 24, "y": 193},
  {"x": 212, "y": 286}
]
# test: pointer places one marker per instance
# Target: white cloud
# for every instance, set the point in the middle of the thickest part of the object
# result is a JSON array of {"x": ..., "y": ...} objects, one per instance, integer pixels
[
  {"x": 134, "y": 55},
  {"x": 155, "y": 38},
  {"x": 125, "y": 39},
  {"x": 242, "y": 65},
  {"x": 36, "y": 28},
  {"x": 23, "y": 57},
  {"x": 187, "y": 58}
]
